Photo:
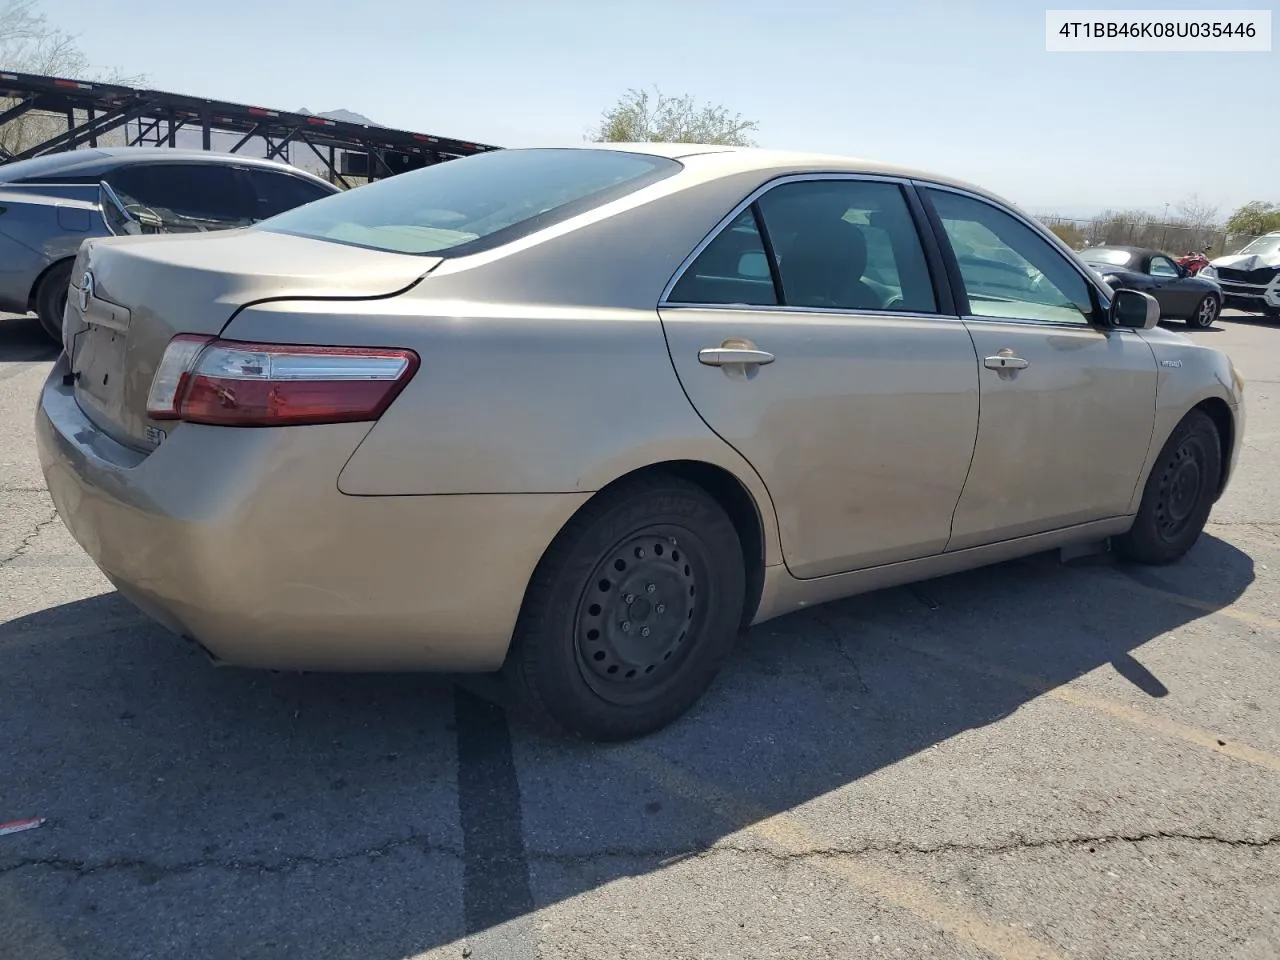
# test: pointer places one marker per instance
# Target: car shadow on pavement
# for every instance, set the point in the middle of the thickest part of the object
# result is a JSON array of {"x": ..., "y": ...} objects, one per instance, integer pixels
[
  {"x": 204, "y": 812},
  {"x": 22, "y": 340}
]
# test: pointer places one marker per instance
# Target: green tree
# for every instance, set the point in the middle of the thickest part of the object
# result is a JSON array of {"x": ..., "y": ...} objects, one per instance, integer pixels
[
  {"x": 641, "y": 117},
  {"x": 1255, "y": 218}
]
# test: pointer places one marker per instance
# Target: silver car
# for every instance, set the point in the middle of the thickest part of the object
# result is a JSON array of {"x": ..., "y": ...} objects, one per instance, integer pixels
[
  {"x": 581, "y": 414},
  {"x": 49, "y": 205}
]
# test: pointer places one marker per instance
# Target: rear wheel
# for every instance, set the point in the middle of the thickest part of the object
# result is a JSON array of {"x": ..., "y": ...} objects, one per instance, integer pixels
[
  {"x": 51, "y": 300},
  {"x": 631, "y": 612},
  {"x": 1205, "y": 313},
  {"x": 1179, "y": 493}
]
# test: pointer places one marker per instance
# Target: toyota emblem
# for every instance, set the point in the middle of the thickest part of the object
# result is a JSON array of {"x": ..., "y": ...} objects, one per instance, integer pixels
[{"x": 86, "y": 290}]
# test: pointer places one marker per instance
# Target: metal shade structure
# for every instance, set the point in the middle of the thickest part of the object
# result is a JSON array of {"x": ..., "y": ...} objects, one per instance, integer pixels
[{"x": 155, "y": 118}]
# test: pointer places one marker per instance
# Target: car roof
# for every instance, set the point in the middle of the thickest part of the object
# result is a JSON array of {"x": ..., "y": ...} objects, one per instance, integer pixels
[
  {"x": 100, "y": 160},
  {"x": 717, "y": 159}
]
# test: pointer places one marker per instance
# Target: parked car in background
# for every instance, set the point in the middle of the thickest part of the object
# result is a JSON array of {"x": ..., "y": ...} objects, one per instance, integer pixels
[
  {"x": 580, "y": 414},
  {"x": 1181, "y": 295},
  {"x": 1193, "y": 261},
  {"x": 49, "y": 205},
  {"x": 1250, "y": 279}
]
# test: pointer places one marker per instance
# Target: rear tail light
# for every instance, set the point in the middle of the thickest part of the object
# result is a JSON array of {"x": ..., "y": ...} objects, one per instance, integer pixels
[{"x": 237, "y": 384}]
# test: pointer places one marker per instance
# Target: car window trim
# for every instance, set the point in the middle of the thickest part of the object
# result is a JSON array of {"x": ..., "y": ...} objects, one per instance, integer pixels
[
  {"x": 770, "y": 255},
  {"x": 932, "y": 258},
  {"x": 240, "y": 184},
  {"x": 246, "y": 173},
  {"x": 1102, "y": 300}
]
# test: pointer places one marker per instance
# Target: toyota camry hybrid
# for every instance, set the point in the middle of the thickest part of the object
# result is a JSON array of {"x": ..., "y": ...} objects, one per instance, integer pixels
[{"x": 581, "y": 414}]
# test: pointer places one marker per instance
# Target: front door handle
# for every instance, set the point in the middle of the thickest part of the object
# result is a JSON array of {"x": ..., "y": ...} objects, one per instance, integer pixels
[
  {"x": 722, "y": 356},
  {"x": 1005, "y": 360}
]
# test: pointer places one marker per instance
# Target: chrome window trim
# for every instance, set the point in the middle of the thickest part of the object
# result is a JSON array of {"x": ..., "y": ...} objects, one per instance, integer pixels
[
  {"x": 1045, "y": 234},
  {"x": 821, "y": 311},
  {"x": 751, "y": 198},
  {"x": 1053, "y": 324}
]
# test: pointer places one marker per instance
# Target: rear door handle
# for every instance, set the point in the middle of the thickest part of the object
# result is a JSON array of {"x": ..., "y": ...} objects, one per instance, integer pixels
[
  {"x": 722, "y": 356},
  {"x": 1005, "y": 361}
]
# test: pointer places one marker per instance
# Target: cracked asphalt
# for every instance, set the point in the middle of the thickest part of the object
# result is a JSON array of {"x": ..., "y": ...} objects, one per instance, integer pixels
[{"x": 1037, "y": 760}]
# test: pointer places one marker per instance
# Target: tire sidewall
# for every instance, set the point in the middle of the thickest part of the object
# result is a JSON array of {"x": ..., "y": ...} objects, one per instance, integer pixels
[
  {"x": 51, "y": 300},
  {"x": 549, "y": 667},
  {"x": 1144, "y": 542}
]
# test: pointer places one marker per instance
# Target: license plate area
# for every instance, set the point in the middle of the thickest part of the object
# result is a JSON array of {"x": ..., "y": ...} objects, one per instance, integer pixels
[
  {"x": 98, "y": 357},
  {"x": 98, "y": 363}
]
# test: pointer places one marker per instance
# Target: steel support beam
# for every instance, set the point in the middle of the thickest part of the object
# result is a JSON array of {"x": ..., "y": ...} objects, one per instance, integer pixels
[
  {"x": 246, "y": 138},
  {"x": 333, "y": 169},
  {"x": 19, "y": 108}
]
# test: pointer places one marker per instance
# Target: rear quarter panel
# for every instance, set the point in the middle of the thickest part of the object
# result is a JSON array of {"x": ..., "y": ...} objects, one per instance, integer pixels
[
  {"x": 527, "y": 401},
  {"x": 544, "y": 364}
]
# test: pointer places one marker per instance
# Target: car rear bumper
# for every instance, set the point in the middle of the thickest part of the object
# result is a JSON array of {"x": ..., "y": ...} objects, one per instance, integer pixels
[{"x": 239, "y": 539}]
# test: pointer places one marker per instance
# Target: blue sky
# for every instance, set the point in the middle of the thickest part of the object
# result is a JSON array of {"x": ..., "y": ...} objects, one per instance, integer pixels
[{"x": 964, "y": 89}]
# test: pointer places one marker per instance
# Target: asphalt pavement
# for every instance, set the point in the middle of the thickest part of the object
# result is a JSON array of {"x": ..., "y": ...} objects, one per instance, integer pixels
[{"x": 1043, "y": 759}]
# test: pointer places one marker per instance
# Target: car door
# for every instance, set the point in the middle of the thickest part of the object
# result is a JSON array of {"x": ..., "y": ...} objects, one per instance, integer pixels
[
  {"x": 1173, "y": 294},
  {"x": 1068, "y": 405},
  {"x": 183, "y": 197},
  {"x": 273, "y": 192},
  {"x": 809, "y": 334}
]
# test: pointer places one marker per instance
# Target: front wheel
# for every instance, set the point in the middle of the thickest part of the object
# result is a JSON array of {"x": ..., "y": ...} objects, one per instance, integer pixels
[
  {"x": 1179, "y": 493},
  {"x": 1206, "y": 312},
  {"x": 631, "y": 612},
  {"x": 51, "y": 300}
]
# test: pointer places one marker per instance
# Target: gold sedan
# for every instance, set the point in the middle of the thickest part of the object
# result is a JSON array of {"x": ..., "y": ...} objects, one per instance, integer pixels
[{"x": 581, "y": 414}]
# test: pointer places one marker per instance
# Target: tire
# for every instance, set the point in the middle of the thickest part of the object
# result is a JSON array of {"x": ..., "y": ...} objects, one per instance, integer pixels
[
  {"x": 1178, "y": 495},
  {"x": 51, "y": 300},
  {"x": 1205, "y": 314},
  {"x": 658, "y": 555}
]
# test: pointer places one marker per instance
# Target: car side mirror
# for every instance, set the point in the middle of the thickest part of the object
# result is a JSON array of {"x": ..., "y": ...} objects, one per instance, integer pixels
[{"x": 1134, "y": 310}]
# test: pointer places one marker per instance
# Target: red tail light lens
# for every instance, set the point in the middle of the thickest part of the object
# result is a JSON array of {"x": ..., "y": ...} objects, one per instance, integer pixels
[{"x": 238, "y": 384}]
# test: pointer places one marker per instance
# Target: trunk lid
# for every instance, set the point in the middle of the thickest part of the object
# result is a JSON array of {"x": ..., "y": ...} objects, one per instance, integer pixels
[{"x": 130, "y": 295}]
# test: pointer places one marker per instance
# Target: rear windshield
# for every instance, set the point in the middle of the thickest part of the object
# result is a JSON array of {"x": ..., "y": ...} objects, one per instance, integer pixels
[{"x": 463, "y": 205}]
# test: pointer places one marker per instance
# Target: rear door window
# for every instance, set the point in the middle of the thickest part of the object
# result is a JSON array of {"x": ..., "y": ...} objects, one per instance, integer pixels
[
  {"x": 275, "y": 193},
  {"x": 837, "y": 244},
  {"x": 732, "y": 269},
  {"x": 184, "y": 196},
  {"x": 847, "y": 244}
]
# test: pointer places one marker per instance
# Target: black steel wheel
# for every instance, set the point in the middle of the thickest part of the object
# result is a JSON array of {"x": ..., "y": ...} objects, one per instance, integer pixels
[
  {"x": 1205, "y": 313},
  {"x": 1178, "y": 494},
  {"x": 51, "y": 300},
  {"x": 631, "y": 612}
]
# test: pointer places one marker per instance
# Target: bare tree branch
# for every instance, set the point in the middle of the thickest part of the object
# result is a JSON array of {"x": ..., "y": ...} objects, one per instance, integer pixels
[{"x": 29, "y": 43}]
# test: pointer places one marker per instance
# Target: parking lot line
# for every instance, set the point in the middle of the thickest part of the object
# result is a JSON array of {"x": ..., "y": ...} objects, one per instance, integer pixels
[
  {"x": 794, "y": 839},
  {"x": 1065, "y": 693}
]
